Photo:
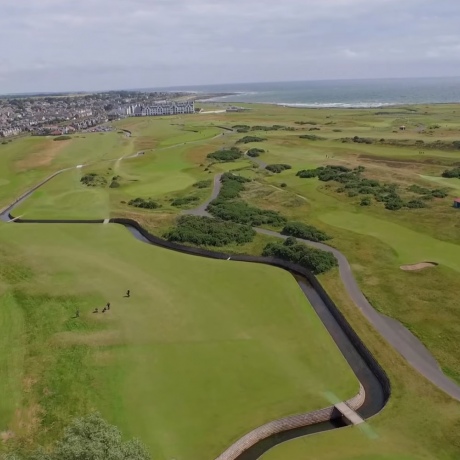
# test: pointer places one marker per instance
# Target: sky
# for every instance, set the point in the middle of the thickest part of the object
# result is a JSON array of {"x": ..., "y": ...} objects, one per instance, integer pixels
[{"x": 77, "y": 45}]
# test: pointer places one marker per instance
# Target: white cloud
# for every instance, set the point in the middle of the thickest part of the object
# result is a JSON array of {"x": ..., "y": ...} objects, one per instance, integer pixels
[{"x": 85, "y": 44}]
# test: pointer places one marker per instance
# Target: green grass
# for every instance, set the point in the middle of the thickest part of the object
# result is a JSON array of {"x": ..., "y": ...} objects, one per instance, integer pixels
[
  {"x": 65, "y": 197},
  {"x": 26, "y": 161},
  {"x": 164, "y": 365},
  {"x": 410, "y": 246}
]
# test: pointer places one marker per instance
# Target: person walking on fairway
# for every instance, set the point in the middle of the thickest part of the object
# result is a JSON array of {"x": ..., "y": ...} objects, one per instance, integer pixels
[
  {"x": 108, "y": 306},
  {"x": 128, "y": 293},
  {"x": 77, "y": 314}
]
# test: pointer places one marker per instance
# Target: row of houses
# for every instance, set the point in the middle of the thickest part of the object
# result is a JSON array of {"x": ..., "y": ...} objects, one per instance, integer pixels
[
  {"x": 164, "y": 108},
  {"x": 9, "y": 132}
]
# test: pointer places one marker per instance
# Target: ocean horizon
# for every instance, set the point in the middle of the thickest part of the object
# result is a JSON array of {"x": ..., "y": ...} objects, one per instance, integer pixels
[{"x": 337, "y": 93}]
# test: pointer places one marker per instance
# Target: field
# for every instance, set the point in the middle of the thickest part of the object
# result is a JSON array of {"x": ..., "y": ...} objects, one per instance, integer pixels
[{"x": 375, "y": 240}]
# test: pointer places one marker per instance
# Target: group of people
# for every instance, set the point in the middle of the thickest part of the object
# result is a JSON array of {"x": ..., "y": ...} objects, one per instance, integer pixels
[{"x": 106, "y": 308}]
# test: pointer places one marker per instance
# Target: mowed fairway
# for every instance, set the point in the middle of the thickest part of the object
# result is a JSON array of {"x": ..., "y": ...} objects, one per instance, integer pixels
[
  {"x": 26, "y": 161},
  {"x": 65, "y": 197},
  {"x": 201, "y": 353}
]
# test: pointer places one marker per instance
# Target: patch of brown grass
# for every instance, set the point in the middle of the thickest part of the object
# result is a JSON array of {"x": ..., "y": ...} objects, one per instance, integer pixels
[
  {"x": 93, "y": 339},
  {"x": 42, "y": 156}
]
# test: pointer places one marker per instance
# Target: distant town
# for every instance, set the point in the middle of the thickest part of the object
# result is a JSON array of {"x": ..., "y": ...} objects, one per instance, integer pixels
[{"x": 66, "y": 114}]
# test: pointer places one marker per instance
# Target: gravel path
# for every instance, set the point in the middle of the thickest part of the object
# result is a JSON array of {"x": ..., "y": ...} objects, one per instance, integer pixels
[{"x": 398, "y": 336}]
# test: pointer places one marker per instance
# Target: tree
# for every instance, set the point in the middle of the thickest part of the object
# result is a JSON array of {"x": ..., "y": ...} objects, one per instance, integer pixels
[{"x": 91, "y": 438}]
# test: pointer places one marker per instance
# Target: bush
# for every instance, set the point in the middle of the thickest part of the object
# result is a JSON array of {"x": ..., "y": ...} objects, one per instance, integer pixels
[
  {"x": 307, "y": 232},
  {"x": 311, "y": 137},
  {"x": 283, "y": 185},
  {"x": 184, "y": 201},
  {"x": 91, "y": 437},
  {"x": 62, "y": 138},
  {"x": 394, "y": 204},
  {"x": 231, "y": 154},
  {"x": 366, "y": 201},
  {"x": 277, "y": 168},
  {"x": 452, "y": 173},
  {"x": 248, "y": 139},
  {"x": 227, "y": 206},
  {"x": 255, "y": 152},
  {"x": 315, "y": 260},
  {"x": 114, "y": 184},
  {"x": 242, "y": 213},
  {"x": 145, "y": 204},
  {"x": 209, "y": 232},
  {"x": 414, "y": 204},
  {"x": 203, "y": 184},
  {"x": 93, "y": 180}
]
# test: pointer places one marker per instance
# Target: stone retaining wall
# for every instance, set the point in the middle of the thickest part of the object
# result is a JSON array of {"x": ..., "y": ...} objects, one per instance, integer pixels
[{"x": 288, "y": 423}]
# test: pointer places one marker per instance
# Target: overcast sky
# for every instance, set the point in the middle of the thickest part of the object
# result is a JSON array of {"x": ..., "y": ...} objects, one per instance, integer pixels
[{"x": 58, "y": 45}]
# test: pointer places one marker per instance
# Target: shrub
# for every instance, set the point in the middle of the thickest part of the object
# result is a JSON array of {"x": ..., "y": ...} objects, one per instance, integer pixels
[
  {"x": 353, "y": 193},
  {"x": 315, "y": 260},
  {"x": 394, "y": 204},
  {"x": 248, "y": 139},
  {"x": 224, "y": 155},
  {"x": 311, "y": 137},
  {"x": 283, "y": 185},
  {"x": 114, "y": 184},
  {"x": 277, "y": 168},
  {"x": 93, "y": 180},
  {"x": 255, "y": 152},
  {"x": 366, "y": 201},
  {"x": 414, "y": 204},
  {"x": 90, "y": 437},
  {"x": 203, "y": 184},
  {"x": 451, "y": 173},
  {"x": 184, "y": 201},
  {"x": 145, "y": 204},
  {"x": 242, "y": 213},
  {"x": 209, "y": 232},
  {"x": 307, "y": 232},
  {"x": 227, "y": 206},
  {"x": 62, "y": 138}
]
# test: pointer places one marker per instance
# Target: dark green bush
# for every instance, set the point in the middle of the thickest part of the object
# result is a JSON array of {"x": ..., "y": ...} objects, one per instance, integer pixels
[
  {"x": 184, "y": 201},
  {"x": 203, "y": 184},
  {"x": 452, "y": 173},
  {"x": 414, "y": 204},
  {"x": 255, "y": 152},
  {"x": 311, "y": 137},
  {"x": 231, "y": 154},
  {"x": 277, "y": 168},
  {"x": 62, "y": 138},
  {"x": 114, "y": 184},
  {"x": 307, "y": 232},
  {"x": 366, "y": 201},
  {"x": 240, "y": 212},
  {"x": 209, "y": 232},
  {"x": 315, "y": 260},
  {"x": 93, "y": 180},
  {"x": 143, "y": 203},
  {"x": 228, "y": 207},
  {"x": 283, "y": 185},
  {"x": 248, "y": 139}
]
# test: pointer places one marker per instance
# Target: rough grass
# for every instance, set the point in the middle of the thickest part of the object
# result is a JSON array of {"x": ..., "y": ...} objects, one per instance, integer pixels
[{"x": 254, "y": 353}]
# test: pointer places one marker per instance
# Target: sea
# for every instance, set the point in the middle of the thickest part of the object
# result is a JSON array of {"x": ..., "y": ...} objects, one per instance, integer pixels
[{"x": 338, "y": 93}]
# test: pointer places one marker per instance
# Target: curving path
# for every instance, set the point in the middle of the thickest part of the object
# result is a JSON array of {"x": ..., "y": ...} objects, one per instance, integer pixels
[
  {"x": 398, "y": 336},
  {"x": 372, "y": 378},
  {"x": 374, "y": 385}
]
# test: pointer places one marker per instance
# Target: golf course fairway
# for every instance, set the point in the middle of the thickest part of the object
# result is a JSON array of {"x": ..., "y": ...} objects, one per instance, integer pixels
[
  {"x": 201, "y": 353},
  {"x": 411, "y": 246}
]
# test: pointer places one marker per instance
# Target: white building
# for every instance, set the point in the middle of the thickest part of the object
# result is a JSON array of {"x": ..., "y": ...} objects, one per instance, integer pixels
[{"x": 165, "y": 108}]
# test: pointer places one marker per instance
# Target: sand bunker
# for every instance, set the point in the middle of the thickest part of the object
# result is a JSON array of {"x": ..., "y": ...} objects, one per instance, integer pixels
[{"x": 419, "y": 266}]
